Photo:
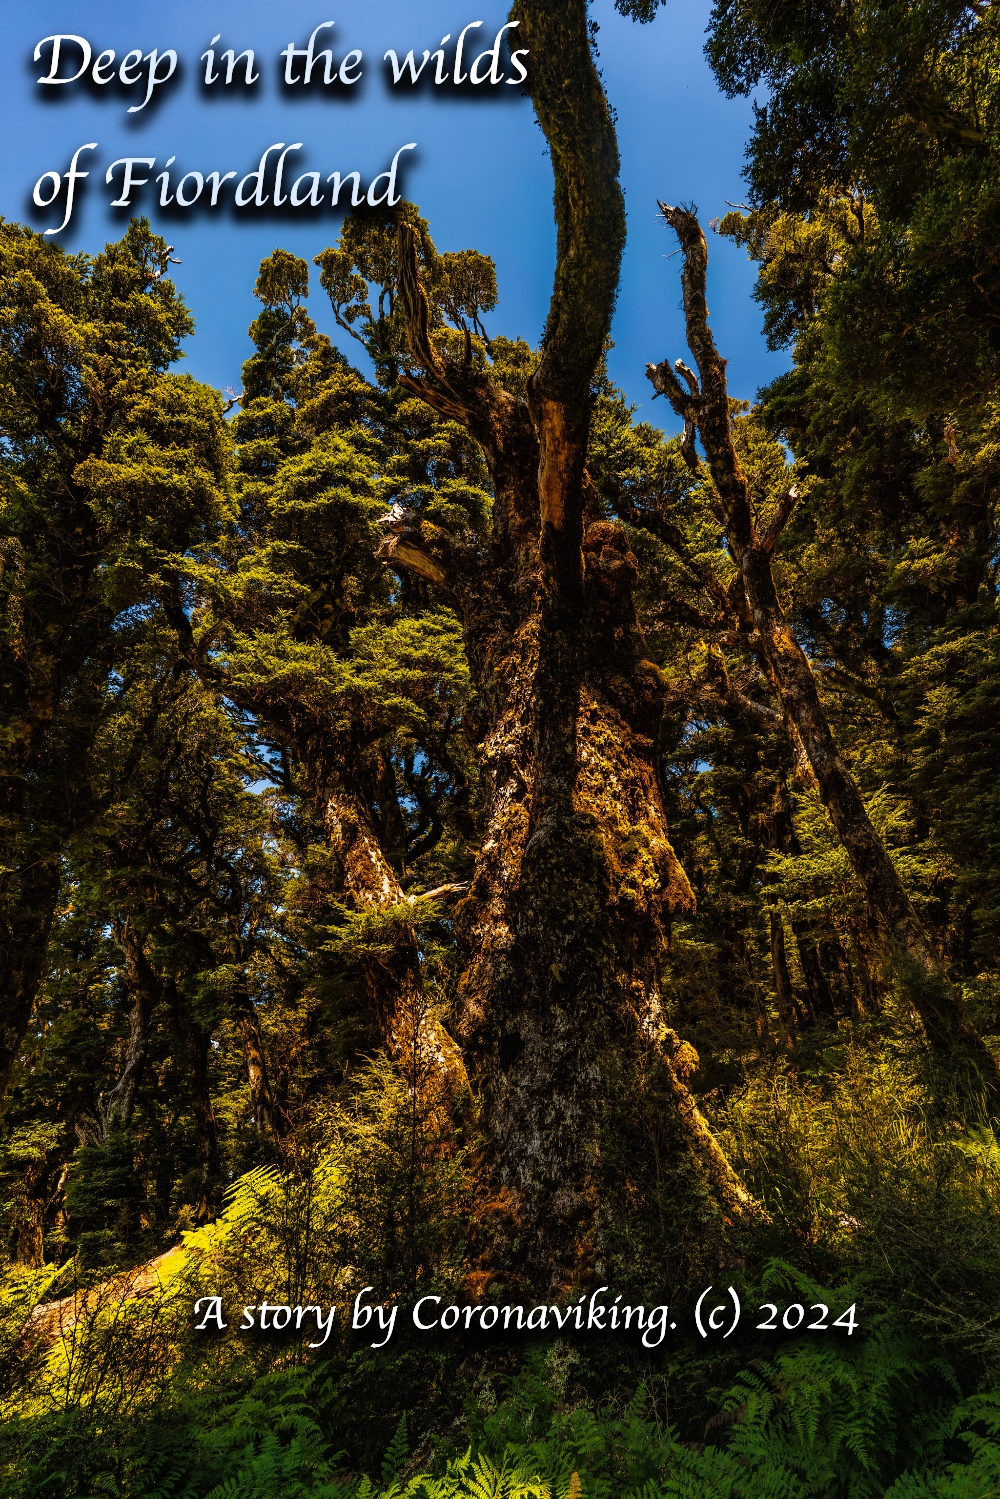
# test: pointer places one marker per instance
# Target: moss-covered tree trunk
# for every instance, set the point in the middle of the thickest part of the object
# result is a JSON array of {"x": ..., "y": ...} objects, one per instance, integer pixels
[
  {"x": 379, "y": 936},
  {"x": 399, "y": 1008},
  {"x": 264, "y": 1117},
  {"x": 703, "y": 402},
  {"x": 564, "y": 927},
  {"x": 117, "y": 1104}
]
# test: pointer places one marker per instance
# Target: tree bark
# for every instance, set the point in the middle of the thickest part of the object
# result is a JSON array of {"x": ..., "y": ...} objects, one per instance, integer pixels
[
  {"x": 565, "y": 925},
  {"x": 783, "y": 992},
  {"x": 403, "y": 1018},
  {"x": 263, "y": 1115},
  {"x": 29, "y": 1216},
  {"x": 819, "y": 995},
  {"x": 117, "y": 1104},
  {"x": 703, "y": 403}
]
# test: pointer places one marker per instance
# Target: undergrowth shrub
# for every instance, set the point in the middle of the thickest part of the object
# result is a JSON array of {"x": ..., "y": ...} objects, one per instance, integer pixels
[
  {"x": 885, "y": 1419},
  {"x": 859, "y": 1176}
]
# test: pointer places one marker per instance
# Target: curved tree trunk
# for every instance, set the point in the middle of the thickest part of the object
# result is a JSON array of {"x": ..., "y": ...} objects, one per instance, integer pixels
[
  {"x": 405, "y": 1020},
  {"x": 564, "y": 927},
  {"x": 397, "y": 1012},
  {"x": 705, "y": 406}
]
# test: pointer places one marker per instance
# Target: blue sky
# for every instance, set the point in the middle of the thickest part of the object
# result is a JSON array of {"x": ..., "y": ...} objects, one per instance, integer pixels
[{"x": 479, "y": 174}]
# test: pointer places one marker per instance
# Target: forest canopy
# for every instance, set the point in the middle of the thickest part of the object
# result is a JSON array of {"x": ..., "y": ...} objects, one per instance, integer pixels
[{"x": 456, "y": 837}]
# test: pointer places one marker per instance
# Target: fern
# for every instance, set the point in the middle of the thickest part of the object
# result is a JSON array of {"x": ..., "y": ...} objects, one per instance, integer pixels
[
  {"x": 396, "y": 1452},
  {"x": 877, "y": 1420}
]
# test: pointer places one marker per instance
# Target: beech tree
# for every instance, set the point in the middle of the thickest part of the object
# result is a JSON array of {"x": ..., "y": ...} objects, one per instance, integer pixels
[
  {"x": 474, "y": 741},
  {"x": 702, "y": 402},
  {"x": 293, "y": 622},
  {"x": 109, "y": 464},
  {"x": 563, "y": 929}
]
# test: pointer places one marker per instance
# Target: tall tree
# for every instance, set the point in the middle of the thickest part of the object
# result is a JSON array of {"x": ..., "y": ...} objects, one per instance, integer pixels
[
  {"x": 564, "y": 928},
  {"x": 344, "y": 686},
  {"x": 108, "y": 464},
  {"x": 702, "y": 401}
]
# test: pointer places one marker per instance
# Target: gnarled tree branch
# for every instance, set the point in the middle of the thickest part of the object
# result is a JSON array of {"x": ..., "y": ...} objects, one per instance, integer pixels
[
  {"x": 940, "y": 1007},
  {"x": 590, "y": 218},
  {"x": 404, "y": 546}
]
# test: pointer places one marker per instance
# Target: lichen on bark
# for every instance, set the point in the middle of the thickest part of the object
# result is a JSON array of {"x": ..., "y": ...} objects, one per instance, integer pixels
[{"x": 565, "y": 925}]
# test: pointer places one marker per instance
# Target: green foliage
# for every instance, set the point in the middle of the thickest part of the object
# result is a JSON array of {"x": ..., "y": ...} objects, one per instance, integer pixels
[
  {"x": 359, "y": 277},
  {"x": 245, "y": 773},
  {"x": 894, "y": 105},
  {"x": 109, "y": 465},
  {"x": 103, "y": 1197},
  {"x": 879, "y": 1422}
]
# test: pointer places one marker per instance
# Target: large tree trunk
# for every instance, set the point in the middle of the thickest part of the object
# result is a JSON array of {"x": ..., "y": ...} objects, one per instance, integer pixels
[
  {"x": 565, "y": 925},
  {"x": 706, "y": 407}
]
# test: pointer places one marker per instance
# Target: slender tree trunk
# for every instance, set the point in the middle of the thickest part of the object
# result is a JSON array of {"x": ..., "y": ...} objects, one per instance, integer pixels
[
  {"x": 705, "y": 407},
  {"x": 817, "y": 987},
  {"x": 783, "y": 992},
  {"x": 839, "y": 977},
  {"x": 935, "y": 1000},
  {"x": 117, "y": 1104},
  {"x": 263, "y": 1115}
]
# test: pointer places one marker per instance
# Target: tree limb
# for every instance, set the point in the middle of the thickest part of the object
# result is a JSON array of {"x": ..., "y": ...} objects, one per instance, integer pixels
[
  {"x": 440, "y": 892},
  {"x": 779, "y": 519},
  {"x": 569, "y": 102},
  {"x": 940, "y": 1006},
  {"x": 403, "y": 546},
  {"x": 678, "y": 611}
]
